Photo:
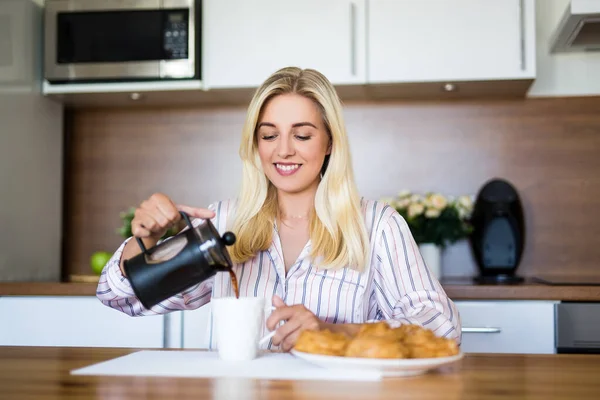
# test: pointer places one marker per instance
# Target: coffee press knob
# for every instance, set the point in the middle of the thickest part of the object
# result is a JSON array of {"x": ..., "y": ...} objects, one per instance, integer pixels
[{"x": 228, "y": 238}]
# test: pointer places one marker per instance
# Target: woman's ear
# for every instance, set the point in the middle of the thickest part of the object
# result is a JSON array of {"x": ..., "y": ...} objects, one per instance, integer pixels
[{"x": 329, "y": 148}]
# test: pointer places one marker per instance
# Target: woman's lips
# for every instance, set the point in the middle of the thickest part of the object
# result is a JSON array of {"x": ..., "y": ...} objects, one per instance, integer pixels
[{"x": 287, "y": 169}]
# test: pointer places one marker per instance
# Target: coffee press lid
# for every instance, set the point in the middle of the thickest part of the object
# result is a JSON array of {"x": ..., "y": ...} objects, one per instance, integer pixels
[{"x": 213, "y": 246}]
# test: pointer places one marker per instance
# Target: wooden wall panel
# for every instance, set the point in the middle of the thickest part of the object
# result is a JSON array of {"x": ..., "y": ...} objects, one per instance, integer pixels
[{"x": 548, "y": 148}]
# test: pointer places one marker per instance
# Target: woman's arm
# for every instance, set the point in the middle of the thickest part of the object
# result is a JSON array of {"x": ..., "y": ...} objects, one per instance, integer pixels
[
  {"x": 405, "y": 290},
  {"x": 114, "y": 290}
]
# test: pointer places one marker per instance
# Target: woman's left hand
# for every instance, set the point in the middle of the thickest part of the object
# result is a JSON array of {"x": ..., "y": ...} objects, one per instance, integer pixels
[{"x": 297, "y": 318}]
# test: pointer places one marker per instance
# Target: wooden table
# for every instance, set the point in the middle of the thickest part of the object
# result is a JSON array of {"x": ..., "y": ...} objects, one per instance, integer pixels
[{"x": 43, "y": 373}]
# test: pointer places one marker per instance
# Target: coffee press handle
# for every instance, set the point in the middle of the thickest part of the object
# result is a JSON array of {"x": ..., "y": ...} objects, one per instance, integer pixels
[{"x": 187, "y": 222}]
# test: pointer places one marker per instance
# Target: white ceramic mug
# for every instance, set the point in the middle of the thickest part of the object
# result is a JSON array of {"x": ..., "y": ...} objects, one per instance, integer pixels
[{"x": 238, "y": 326}]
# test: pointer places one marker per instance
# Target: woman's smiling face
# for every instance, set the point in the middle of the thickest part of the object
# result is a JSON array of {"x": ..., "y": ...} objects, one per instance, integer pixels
[{"x": 292, "y": 142}]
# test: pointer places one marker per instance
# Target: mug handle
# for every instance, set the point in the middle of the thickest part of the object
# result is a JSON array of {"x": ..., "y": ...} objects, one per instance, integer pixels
[{"x": 187, "y": 221}]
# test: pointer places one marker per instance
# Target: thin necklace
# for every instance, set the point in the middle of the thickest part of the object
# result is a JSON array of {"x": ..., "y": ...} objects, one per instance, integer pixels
[
  {"x": 282, "y": 217},
  {"x": 303, "y": 216},
  {"x": 291, "y": 216}
]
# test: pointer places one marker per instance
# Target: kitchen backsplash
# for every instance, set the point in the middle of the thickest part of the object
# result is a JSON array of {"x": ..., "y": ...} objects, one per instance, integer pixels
[{"x": 548, "y": 148}]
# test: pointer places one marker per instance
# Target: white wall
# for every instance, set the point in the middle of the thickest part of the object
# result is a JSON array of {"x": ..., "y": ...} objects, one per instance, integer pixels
[
  {"x": 561, "y": 74},
  {"x": 30, "y": 155}
]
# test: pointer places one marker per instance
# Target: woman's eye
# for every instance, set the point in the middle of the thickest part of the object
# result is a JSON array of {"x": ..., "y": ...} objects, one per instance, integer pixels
[
  {"x": 268, "y": 137},
  {"x": 300, "y": 137}
]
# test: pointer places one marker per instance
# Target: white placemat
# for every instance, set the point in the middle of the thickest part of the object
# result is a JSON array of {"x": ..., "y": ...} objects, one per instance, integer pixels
[{"x": 206, "y": 364}]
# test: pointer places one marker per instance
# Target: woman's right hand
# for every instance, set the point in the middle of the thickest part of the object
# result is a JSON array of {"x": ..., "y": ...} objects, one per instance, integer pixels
[
  {"x": 153, "y": 218},
  {"x": 158, "y": 213}
]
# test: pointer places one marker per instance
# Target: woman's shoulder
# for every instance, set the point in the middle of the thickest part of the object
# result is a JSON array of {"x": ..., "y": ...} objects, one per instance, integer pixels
[
  {"x": 223, "y": 207},
  {"x": 378, "y": 215},
  {"x": 224, "y": 211}
]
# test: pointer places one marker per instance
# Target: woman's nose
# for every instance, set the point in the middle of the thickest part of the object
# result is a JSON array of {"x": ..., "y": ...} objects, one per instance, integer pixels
[{"x": 285, "y": 148}]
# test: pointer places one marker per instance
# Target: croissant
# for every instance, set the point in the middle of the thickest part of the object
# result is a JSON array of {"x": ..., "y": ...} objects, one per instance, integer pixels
[{"x": 378, "y": 340}]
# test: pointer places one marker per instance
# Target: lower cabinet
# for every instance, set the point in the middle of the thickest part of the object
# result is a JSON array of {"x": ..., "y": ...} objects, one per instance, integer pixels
[
  {"x": 196, "y": 328},
  {"x": 526, "y": 326},
  {"x": 75, "y": 322},
  {"x": 488, "y": 326}
]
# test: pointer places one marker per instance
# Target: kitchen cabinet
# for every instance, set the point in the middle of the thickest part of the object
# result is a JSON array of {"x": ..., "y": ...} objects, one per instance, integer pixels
[
  {"x": 508, "y": 326},
  {"x": 515, "y": 326},
  {"x": 245, "y": 41},
  {"x": 75, "y": 321},
  {"x": 19, "y": 27},
  {"x": 196, "y": 328},
  {"x": 446, "y": 41},
  {"x": 368, "y": 48},
  {"x": 31, "y": 153}
]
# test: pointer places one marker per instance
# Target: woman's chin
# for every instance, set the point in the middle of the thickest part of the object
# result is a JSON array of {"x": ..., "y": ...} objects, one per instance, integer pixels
[
  {"x": 291, "y": 183},
  {"x": 286, "y": 185},
  {"x": 290, "y": 189}
]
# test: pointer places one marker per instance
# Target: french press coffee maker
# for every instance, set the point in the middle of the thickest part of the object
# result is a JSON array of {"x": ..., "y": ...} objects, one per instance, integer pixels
[{"x": 178, "y": 263}]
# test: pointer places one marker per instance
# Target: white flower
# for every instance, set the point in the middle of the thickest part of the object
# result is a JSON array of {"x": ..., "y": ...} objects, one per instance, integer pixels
[
  {"x": 427, "y": 201},
  {"x": 404, "y": 193},
  {"x": 387, "y": 200},
  {"x": 415, "y": 209},
  {"x": 415, "y": 198},
  {"x": 402, "y": 203},
  {"x": 438, "y": 201},
  {"x": 465, "y": 202},
  {"x": 432, "y": 213}
]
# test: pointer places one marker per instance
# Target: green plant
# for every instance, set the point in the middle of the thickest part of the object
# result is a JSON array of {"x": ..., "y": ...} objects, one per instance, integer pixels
[
  {"x": 433, "y": 217},
  {"x": 125, "y": 230}
]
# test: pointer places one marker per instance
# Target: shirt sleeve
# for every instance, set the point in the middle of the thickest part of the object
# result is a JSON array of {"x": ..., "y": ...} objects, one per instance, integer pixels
[
  {"x": 114, "y": 290},
  {"x": 404, "y": 290}
]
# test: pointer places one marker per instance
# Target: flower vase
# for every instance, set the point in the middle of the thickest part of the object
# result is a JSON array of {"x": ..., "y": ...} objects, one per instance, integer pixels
[{"x": 432, "y": 256}]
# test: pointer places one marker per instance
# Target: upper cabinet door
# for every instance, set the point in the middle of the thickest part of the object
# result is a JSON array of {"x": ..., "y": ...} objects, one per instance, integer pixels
[
  {"x": 441, "y": 40},
  {"x": 245, "y": 41}
]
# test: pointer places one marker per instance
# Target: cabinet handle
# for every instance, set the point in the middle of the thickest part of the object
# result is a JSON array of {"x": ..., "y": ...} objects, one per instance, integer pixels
[
  {"x": 522, "y": 32},
  {"x": 481, "y": 330},
  {"x": 353, "y": 38}
]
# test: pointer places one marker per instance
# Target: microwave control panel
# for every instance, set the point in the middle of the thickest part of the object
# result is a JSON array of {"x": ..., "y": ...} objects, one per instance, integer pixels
[{"x": 176, "y": 35}]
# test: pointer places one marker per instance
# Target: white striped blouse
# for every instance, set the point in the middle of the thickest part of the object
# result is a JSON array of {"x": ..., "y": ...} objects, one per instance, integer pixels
[{"x": 395, "y": 286}]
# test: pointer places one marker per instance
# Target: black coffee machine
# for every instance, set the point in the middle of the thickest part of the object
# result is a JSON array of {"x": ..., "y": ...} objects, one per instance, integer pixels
[{"x": 498, "y": 237}]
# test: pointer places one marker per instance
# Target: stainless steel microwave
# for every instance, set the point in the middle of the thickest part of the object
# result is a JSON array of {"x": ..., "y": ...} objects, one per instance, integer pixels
[{"x": 121, "y": 40}]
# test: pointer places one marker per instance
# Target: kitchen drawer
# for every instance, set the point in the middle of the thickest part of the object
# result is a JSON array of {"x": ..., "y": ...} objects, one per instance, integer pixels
[
  {"x": 507, "y": 326},
  {"x": 74, "y": 321}
]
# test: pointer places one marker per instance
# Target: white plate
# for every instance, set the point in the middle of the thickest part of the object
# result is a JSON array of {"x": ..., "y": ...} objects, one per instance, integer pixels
[{"x": 387, "y": 367}]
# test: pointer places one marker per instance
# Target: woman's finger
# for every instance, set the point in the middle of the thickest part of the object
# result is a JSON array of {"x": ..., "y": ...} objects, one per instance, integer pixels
[
  {"x": 306, "y": 321},
  {"x": 167, "y": 209},
  {"x": 280, "y": 314},
  {"x": 273, "y": 321},
  {"x": 278, "y": 301},
  {"x": 203, "y": 213},
  {"x": 286, "y": 329},
  {"x": 290, "y": 341},
  {"x": 138, "y": 230},
  {"x": 165, "y": 218},
  {"x": 143, "y": 219}
]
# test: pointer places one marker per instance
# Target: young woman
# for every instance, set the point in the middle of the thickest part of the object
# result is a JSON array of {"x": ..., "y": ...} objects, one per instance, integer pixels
[{"x": 305, "y": 239}]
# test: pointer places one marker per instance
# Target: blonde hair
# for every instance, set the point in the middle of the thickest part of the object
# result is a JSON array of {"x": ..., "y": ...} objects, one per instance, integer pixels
[{"x": 337, "y": 229}]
